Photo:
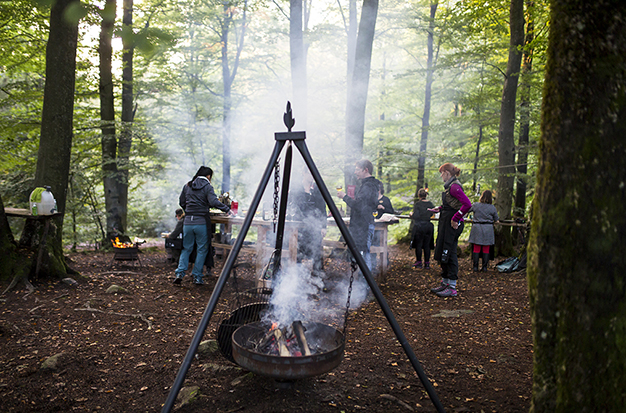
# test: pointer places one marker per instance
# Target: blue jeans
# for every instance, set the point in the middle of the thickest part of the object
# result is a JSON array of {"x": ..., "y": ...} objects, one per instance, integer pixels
[
  {"x": 366, "y": 254},
  {"x": 193, "y": 234}
]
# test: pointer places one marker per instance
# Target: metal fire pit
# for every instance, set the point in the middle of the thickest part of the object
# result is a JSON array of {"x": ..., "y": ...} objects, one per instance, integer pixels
[
  {"x": 126, "y": 254},
  {"x": 290, "y": 368}
]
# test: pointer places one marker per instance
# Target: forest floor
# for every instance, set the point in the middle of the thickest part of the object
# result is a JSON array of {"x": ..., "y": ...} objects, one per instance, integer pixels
[{"x": 121, "y": 352}]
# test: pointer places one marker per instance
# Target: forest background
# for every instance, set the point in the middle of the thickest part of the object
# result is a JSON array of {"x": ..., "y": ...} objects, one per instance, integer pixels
[{"x": 452, "y": 96}]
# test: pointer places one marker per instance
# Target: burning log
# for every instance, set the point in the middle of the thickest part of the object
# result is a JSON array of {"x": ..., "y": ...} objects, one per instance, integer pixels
[
  {"x": 283, "y": 351},
  {"x": 298, "y": 330}
]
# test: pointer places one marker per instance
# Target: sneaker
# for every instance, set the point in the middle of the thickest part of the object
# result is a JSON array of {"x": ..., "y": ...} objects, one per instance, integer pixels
[
  {"x": 427, "y": 264},
  {"x": 418, "y": 264},
  {"x": 442, "y": 286},
  {"x": 198, "y": 281},
  {"x": 448, "y": 292},
  {"x": 178, "y": 280}
]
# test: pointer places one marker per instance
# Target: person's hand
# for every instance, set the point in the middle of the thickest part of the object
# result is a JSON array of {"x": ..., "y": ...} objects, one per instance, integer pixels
[
  {"x": 455, "y": 224},
  {"x": 411, "y": 213},
  {"x": 380, "y": 207},
  {"x": 341, "y": 194},
  {"x": 230, "y": 213},
  {"x": 436, "y": 209}
]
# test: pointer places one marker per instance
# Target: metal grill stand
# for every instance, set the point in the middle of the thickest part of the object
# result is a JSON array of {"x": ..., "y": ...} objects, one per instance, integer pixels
[
  {"x": 297, "y": 138},
  {"x": 126, "y": 254}
]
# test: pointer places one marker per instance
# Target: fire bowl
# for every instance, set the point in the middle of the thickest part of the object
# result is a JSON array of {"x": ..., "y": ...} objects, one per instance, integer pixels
[{"x": 328, "y": 341}]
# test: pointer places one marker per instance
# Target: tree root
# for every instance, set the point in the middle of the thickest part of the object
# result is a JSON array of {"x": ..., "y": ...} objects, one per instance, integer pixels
[
  {"x": 95, "y": 310},
  {"x": 16, "y": 280}
]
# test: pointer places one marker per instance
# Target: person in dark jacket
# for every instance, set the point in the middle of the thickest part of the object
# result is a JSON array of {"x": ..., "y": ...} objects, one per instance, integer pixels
[
  {"x": 423, "y": 229},
  {"x": 196, "y": 198},
  {"x": 177, "y": 233},
  {"x": 310, "y": 209},
  {"x": 384, "y": 204},
  {"x": 363, "y": 209},
  {"x": 455, "y": 206}
]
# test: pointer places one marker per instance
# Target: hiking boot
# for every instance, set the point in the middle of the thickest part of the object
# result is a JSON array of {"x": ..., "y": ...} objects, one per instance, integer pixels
[
  {"x": 418, "y": 264},
  {"x": 178, "y": 279},
  {"x": 427, "y": 264},
  {"x": 442, "y": 286},
  {"x": 449, "y": 291}
]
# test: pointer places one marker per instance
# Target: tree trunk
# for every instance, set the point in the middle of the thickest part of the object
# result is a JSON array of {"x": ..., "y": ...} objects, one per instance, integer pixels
[
  {"x": 359, "y": 83},
  {"x": 576, "y": 258},
  {"x": 228, "y": 78},
  {"x": 421, "y": 161},
  {"x": 348, "y": 173},
  {"x": 525, "y": 103},
  {"x": 107, "y": 123},
  {"x": 506, "y": 134},
  {"x": 298, "y": 62},
  {"x": 55, "y": 143},
  {"x": 126, "y": 135}
]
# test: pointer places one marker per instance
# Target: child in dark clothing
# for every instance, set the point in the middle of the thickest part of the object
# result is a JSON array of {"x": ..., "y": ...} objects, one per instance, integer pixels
[{"x": 423, "y": 229}]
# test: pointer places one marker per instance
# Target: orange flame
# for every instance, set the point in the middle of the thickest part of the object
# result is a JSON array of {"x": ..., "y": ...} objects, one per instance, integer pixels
[{"x": 118, "y": 244}]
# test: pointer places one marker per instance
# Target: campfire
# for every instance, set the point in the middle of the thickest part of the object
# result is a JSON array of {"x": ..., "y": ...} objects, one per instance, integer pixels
[
  {"x": 300, "y": 350},
  {"x": 284, "y": 342},
  {"x": 126, "y": 250},
  {"x": 117, "y": 243}
]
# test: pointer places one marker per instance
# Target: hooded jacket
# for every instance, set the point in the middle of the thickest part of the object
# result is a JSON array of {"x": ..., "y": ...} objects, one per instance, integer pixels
[{"x": 197, "y": 199}]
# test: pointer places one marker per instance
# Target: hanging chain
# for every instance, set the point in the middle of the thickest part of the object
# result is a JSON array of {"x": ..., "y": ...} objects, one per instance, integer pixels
[
  {"x": 345, "y": 318},
  {"x": 236, "y": 286},
  {"x": 276, "y": 189}
]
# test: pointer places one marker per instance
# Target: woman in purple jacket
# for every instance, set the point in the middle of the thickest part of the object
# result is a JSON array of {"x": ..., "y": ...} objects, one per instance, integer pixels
[{"x": 455, "y": 205}]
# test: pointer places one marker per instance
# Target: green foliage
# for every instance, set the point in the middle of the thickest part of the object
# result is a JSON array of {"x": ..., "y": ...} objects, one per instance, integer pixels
[{"x": 178, "y": 92}]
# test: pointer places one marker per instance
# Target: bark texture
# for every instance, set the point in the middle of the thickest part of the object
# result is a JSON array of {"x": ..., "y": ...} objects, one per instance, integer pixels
[
  {"x": 421, "y": 161},
  {"x": 576, "y": 271},
  {"x": 506, "y": 133},
  {"x": 55, "y": 143},
  {"x": 359, "y": 83}
]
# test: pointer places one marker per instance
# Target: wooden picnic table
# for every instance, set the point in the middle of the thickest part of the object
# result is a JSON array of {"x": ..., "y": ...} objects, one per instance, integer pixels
[{"x": 263, "y": 247}]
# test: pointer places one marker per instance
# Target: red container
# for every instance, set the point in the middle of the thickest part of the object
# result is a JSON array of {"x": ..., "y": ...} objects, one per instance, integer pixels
[{"x": 234, "y": 207}]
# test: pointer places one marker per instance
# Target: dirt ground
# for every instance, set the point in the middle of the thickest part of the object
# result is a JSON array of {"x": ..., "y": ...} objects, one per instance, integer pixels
[{"x": 121, "y": 352}]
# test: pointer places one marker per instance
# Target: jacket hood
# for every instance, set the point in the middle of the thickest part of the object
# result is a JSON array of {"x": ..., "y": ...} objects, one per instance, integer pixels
[{"x": 200, "y": 182}]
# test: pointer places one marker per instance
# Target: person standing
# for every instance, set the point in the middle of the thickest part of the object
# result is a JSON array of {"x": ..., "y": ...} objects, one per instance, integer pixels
[
  {"x": 482, "y": 236},
  {"x": 384, "y": 204},
  {"x": 423, "y": 229},
  {"x": 455, "y": 205},
  {"x": 196, "y": 198},
  {"x": 176, "y": 234},
  {"x": 363, "y": 209},
  {"x": 310, "y": 209}
]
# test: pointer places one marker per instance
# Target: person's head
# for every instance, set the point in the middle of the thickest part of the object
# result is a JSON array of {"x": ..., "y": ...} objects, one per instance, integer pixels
[
  {"x": 422, "y": 193},
  {"x": 180, "y": 213},
  {"x": 363, "y": 169},
  {"x": 486, "y": 197},
  {"x": 447, "y": 171},
  {"x": 381, "y": 188},
  {"x": 202, "y": 171}
]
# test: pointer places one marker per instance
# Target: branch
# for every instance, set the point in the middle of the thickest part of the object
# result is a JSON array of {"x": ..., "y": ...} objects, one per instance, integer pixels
[{"x": 95, "y": 310}]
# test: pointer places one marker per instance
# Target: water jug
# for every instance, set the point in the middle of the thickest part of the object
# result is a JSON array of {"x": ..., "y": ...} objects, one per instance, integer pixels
[{"x": 42, "y": 202}]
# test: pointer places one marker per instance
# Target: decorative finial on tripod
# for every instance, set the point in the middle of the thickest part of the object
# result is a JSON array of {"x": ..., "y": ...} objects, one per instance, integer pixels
[{"x": 288, "y": 118}]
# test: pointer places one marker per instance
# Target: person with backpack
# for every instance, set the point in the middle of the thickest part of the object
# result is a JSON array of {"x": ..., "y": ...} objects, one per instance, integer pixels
[{"x": 482, "y": 235}]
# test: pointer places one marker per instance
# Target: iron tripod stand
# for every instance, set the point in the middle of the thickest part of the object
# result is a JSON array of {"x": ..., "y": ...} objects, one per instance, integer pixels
[{"x": 297, "y": 139}]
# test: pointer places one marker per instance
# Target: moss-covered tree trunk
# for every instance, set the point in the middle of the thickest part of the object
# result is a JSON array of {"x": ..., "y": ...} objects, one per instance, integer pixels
[
  {"x": 577, "y": 265},
  {"x": 55, "y": 143}
]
